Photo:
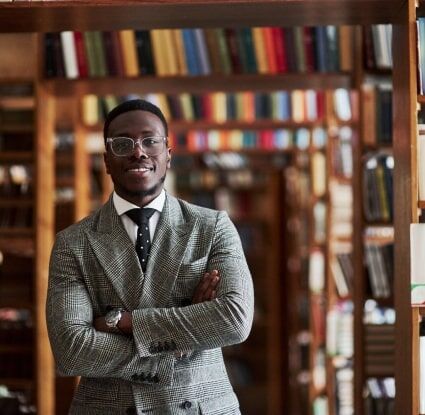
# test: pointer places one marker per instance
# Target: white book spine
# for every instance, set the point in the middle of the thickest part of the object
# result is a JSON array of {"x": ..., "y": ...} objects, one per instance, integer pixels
[
  {"x": 421, "y": 166},
  {"x": 417, "y": 259},
  {"x": 69, "y": 54},
  {"x": 422, "y": 374}
]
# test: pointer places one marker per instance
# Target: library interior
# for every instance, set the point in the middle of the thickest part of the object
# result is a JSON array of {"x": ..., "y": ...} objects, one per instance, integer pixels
[{"x": 304, "y": 120}]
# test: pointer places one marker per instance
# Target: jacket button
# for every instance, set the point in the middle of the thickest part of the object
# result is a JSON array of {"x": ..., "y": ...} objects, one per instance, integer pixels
[
  {"x": 131, "y": 411},
  {"x": 186, "y": 405}
]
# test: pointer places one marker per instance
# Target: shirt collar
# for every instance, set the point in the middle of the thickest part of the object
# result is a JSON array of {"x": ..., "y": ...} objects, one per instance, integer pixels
[{"x": 122, "y": 205}]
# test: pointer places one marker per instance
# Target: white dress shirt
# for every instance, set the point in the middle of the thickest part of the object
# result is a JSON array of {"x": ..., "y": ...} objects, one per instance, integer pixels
[{"x": 122, "y": 206}]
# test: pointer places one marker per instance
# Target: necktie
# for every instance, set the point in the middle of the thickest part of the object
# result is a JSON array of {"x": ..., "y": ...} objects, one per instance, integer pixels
[{"x": 141, "y": 217}]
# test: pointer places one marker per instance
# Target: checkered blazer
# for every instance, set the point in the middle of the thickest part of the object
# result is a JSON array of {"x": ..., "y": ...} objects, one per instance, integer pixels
[{"x": 94, "y": 266}]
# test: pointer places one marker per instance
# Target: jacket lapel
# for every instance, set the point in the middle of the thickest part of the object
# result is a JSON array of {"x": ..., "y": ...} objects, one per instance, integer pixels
[
  {"x": 167, "y": 251},
  {"x": 116, "y": 254}
]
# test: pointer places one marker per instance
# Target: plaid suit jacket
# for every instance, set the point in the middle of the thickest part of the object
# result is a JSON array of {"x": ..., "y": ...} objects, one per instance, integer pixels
[{"x": 94, "y": 266}]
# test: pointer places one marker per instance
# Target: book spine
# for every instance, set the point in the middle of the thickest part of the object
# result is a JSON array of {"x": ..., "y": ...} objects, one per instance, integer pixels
[
  {"x": 69, "y": 54},
  {"x": 82, "y": 63}
]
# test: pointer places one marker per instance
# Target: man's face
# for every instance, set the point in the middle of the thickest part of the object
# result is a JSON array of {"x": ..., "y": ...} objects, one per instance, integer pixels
[{"x": 137, "y": 178}]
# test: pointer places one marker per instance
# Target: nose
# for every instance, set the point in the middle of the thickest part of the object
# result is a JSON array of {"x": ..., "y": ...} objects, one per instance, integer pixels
[{"x": 138, "y": 150}]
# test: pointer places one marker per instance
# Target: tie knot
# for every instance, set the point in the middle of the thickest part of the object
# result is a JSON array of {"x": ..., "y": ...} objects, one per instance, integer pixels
[{"x": 140, "y": 215}]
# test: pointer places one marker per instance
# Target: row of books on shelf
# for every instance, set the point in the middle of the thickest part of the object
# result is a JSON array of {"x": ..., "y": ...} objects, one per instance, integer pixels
[
  {"x": 246, "y": 139},
  {"x": 379, "y": 348},
  {"x": 170, "y": 52},
  {"x": 420, "y": 31},
  {"x": 16, "y": 117},
  {"x": 380, "y": 394},
  {"x": 379, "y": 258},
  {"x": 15, "y": 402},
  {"x": 339, "y": 330},
  {"x": 377, "y": 41},
  {"x": 376, "y": 100},
  {"x": 16, "y": 141},
  {"x": 212, "y": 179},
  {"x": 240, "y": 205},
  {"x": 15, "y": 180},
  {"x": 378, "y": 187},
  {"x": 341, "y": 153},
  {"x": 341, "y": 213},
  {"x": 219, "y": 107},
  {"x": 16, "y": 217}
]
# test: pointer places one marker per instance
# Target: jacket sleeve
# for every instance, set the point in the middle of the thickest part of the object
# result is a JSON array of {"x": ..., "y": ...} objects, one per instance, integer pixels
[
  {"x": 78, "y": 348},
  {"x": 212, "y": 324}
]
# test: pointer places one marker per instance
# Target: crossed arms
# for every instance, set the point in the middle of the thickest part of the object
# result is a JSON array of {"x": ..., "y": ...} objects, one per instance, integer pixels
[{"x": 219, "y": 315}]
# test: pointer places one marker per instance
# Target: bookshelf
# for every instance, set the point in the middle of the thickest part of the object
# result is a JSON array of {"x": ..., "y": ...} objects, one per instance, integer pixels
[{"x": 107, "y": 15}]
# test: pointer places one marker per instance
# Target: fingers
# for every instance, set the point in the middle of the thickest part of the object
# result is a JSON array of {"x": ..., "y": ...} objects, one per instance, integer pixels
[{"x": 206, "y": 289}]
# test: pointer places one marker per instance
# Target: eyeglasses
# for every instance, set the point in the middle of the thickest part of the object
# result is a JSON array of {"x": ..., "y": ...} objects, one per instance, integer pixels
[{"x": 124, "y": 146}]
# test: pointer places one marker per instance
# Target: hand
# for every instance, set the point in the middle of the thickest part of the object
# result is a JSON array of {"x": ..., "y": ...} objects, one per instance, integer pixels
[
  {"x": 206, "y": 289},
  {"x": 100, "y": 325}
]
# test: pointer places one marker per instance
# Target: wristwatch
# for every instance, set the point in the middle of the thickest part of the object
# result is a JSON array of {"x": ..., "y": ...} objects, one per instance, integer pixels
[{"x": 113, "y": 317}]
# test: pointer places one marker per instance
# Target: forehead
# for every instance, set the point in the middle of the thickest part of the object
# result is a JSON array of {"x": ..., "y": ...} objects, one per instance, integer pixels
[{"x": 136, "y": 121}]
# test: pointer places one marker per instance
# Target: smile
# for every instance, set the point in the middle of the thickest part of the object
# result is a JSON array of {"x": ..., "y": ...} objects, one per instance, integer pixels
[{"x": 140, "y": 169}]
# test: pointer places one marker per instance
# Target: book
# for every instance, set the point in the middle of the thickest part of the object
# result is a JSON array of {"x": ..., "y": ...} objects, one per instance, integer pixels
[
  {"x": 202, "y": 52},
  {"x": 99, "y": 54},
  {"x": 421, "y": 161},
  {"x": 69, "y": 54},
  {"x": 129, "y": 53},
  {"x": 422, "y": 367},
  {"x": 83, "y": 70},
  {"x": 49, "y": 54},
  {"x": 260, "y": 50},
  {"x": 192, "y": 59},
  {"x": 179, "y": 51},
  {"x": 417, "y": 257}
]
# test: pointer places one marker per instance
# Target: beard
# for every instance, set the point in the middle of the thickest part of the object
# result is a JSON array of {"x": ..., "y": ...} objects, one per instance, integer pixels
[{"x": 148, "y": 192}]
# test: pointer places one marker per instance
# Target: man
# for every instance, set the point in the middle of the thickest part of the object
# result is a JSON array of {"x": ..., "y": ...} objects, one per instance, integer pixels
[{"x": 145, "y": 330}]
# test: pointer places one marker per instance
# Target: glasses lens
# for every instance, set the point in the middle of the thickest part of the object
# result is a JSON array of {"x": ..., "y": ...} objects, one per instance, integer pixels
[
  {"x": 153, "y": 145},
  {"x": 122, "y": 146}
]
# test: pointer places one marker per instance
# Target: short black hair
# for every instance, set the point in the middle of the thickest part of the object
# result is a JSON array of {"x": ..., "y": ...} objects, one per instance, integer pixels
[{"x": 132, "y": 105}]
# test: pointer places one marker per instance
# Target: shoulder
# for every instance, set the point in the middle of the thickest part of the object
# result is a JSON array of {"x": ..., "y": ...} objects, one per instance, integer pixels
[
  {"x": 75, "y": 231},
  {"x": 192, "y": 211}
]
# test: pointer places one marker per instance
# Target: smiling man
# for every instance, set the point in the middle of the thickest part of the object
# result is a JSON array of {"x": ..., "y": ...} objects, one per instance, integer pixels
[{"x": 145, "y": 292}]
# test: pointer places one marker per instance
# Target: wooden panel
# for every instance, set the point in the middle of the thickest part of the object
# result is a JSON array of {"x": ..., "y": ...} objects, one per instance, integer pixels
[
  {"x": 18, "y": 55},
  {"x": 44, "y": 241},
  {"x": 197, "y": 84},
  {"x": 110, "y": 15},
  {"x": 405, "y": 206}
]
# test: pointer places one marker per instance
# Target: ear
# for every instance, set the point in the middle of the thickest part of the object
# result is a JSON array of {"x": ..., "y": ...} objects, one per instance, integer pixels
[
  {"x": 168, "y": 158},
  {"x": 106, "y": 161}
]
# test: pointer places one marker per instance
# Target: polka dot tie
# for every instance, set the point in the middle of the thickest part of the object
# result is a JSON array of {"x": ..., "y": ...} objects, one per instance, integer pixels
[{"x": 143, "y": 242}]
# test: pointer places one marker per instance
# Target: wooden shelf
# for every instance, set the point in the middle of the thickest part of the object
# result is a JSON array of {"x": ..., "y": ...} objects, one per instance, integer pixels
[
  {"x": 421, "y": 204},
  {"x": 17, "y": 103},
  {"x": 196, "y": 84},
  {"x": 16, "y": 348},
  {"x": 16, "y": 201},
  {"x": 181, "y": 126},
  {"x": 13, "y": 157},
  {"x": 21, "y": 231},
  {"x": 17, "y": 383},
  {"x": 48, "y": 16}
]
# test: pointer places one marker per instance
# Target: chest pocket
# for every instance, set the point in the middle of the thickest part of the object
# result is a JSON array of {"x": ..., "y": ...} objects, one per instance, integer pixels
[{"x": 190, "y": 274}]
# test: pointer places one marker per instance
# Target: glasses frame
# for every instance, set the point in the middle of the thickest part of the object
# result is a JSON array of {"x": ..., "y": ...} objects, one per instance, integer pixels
[{"x": 139, "y": 141}]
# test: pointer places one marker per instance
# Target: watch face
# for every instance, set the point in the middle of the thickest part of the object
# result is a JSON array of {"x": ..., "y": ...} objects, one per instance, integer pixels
[{"x": 113, "y": 317}]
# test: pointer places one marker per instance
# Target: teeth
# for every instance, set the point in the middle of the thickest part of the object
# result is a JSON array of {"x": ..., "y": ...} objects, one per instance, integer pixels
[{"x": 140, "y": 170}]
